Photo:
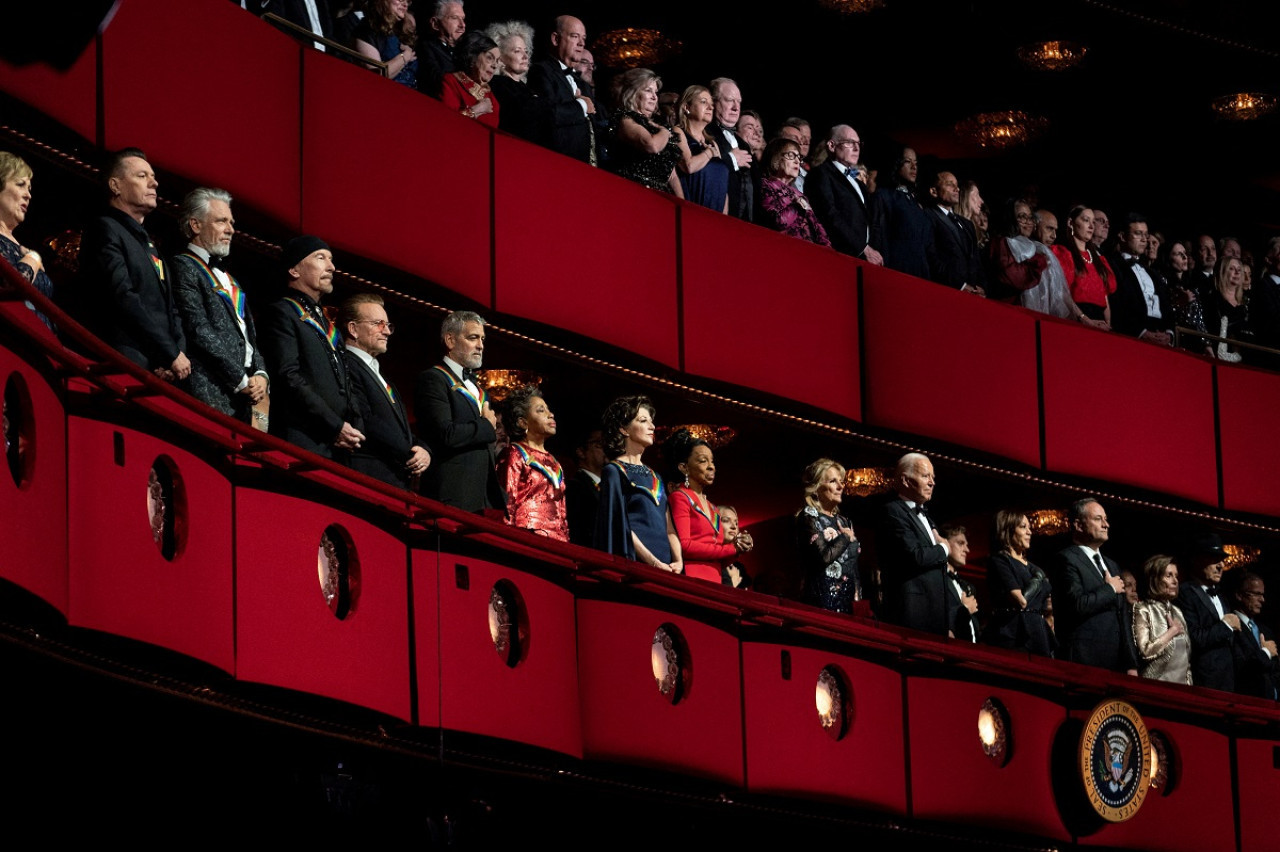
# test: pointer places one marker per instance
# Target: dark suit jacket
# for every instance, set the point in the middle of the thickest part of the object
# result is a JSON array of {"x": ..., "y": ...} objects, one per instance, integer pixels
[
  {"x": 310, "y": 397},
  {"x": 462, "y": 469},
  {"x": 435, "y": 59},
  {"x": 388, "y": 441},
  {"x": 1255, "y": 672},
  {"x": 913, "y": 572},
  {"x": 570, "y": 131},
  {"x": 582, "y": 502},
  {"x": 1089, "y": 614},
  {"x": 1211, "y": 640},
  {"x": 125, "y": 301},
  {"x": 953, "y": 258},
  {"x": 741, "y": 181},
  {"x": 1129, "y": 307},
  {"x": 845, "y": 216},
  {"x": 295, "y": 11},
  {"x": 215, "y": 345},
  {"x": 963, "y": 624}
]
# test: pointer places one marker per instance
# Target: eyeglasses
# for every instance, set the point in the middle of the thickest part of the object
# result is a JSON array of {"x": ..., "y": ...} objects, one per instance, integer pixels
[
  {"x": 1025, "y": 217},
  {"x": 792, "y": 155},
  {"x": 848, "y": 143},
  {"x": 389, "y": 326}
]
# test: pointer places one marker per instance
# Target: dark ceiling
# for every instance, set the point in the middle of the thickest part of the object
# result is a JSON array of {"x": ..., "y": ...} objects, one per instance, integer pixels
[{"x": 1130, "y": 128}]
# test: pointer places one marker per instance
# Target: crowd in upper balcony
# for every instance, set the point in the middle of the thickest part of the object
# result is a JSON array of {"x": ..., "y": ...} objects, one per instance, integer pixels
[{"x": 313, "y": 377}]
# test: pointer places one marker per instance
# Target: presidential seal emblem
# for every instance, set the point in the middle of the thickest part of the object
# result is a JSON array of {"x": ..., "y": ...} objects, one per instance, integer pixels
[{"x": 1115, "y": 760}]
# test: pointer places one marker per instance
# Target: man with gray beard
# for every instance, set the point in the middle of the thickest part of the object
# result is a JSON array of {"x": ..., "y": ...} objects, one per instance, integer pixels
[{"x": 227, "y": 370}]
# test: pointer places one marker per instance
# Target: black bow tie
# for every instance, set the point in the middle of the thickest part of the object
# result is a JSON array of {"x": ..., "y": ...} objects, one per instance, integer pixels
[
  {"x": 569, "y": 72},
  {"x": 921, "y": 510},
  {"x": 1211, "y": 591},
  {"x": 469, "y": 374},
  {"x": 216, "y": 262}
]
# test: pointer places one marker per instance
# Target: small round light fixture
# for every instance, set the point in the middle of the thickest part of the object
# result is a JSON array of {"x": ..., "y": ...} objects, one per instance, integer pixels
[
  {"x": 1244, "y": 106},
  {"x": 19, "y": 430},
  {"x": 338, "y": 567},
  {"x": 1162, "y": 773},
  {"x": 1053, "y": 55},
  {"x": 993, "y": 731},
  {"x": 998, "y": 130},
  {"x": 831, "y": 696},
  {"x": 672, "y": 668},
  {"x": 508, "y": 625},
  {"x": 166, "y": 507}
]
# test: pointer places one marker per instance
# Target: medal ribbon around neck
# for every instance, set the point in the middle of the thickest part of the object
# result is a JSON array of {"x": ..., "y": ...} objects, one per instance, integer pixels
[
  {"x": 697, "y": 507},
  {"x": 328, "y": 331},
  {"x": 478, "y": 401},
  {"x": 556, "y": 476},
  {"x": 655, "y": 491},
  {"x": 233, "y": 296}
]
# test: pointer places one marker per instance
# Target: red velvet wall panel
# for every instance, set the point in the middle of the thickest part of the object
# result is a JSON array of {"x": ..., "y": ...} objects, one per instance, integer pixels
[
  {"x": 950, "y": 365},
  {"x": 535, "y": 701},
  {"x": 951, "y": 778},
  {"x": 739, "y": 283},
  {"x": 1126, "y": 411},
  {"x": 33, "y": 537},
  {"x": 1249, "y": 406},
  {"x": 1197, "y": 814},
  {"x": 584, "y": 251},
  {"x": 426, "y": 635},
  {"x": 790, "y": 753},
  {"x": 71, "y": 97},
  {"x": 625, "y": 718},
  {"x": 405, "y": 182},
  {"x": 119, "y": 581},
  {"x": 1259, "y": 779},
  {"x": 285, "y": 633},
  {"x": 208, "y": 93}
]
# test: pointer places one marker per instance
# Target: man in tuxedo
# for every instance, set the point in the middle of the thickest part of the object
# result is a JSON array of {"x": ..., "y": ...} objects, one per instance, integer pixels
[
  {"x": 311, "y": 392},
  {"x": 1139, "y": 307},
  {"x": 953, "y": 248},
  {"x": 726, "y": 106},
  {"x": 128, "y": 300},
  {"x": 840, "y": 200},
  {"x": 227, "y": 369},
  {"x": 553, "y": 79},
  {"x": 455, "y": 417},
  {"x": 582, "y": 491},
  {"x": 962, "y": 603},
  {"x": 911, "y": 556},
  {"x": 389, "y": 452},
  {"x": 1211, "y": 626},
  {"x": 436, "y": 44},
  {"x": 1089, "y": 595},
  {"x": 1256, "y": 664},
  {"x": 1206, "y": 257}
]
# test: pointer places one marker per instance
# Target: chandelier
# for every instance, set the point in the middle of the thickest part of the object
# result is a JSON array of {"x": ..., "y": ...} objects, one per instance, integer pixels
[
  {"x": 1244, "y": 106},
  {"x": 1239, "y": 555},
  {"x": 500, "y": 383},
  {"x": 1047, "y": 521},
  {"x": 865, "y": 481},
  {"x": 852, "y": 7},
  {"x": 1001, "y": 129},
  {"x": 715, "y": 436},
  {"x": 1052, "y": 55},
  {"x": 633, "y": 47}
]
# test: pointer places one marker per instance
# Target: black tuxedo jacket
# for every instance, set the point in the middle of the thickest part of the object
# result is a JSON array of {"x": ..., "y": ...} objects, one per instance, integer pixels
[
  {"x": 435, "y": 59},
  {"x": 741, "y": 181},
  {"x": 1089, "y": 614},
  {"x": 462, "y": 469},
  {"x": 1255, "y": 672},
  {"x": 913, "y": 572},
  {"x": 388, "y": 442},
  {"x": 215, "y": 345},
  {"x": 1212, "y": 663},
  {"x": 1129, "y": 307},
  {"x": 582, "y": 503},
  {"x": 845, "y": 216},
  {"x": 953, "y": 254},
  {"x": 570, "y": 129},
  {"x": 126, "y": 301},
  {"x": 310, "y": 394}
]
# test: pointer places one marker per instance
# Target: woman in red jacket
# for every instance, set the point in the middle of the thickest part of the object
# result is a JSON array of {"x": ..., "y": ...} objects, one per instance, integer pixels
[{"x": 696, "y": 518}]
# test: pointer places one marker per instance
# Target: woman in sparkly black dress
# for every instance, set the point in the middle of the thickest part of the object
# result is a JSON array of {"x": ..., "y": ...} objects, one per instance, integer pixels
[
  {"x": 531, "y": 477},
  {"x": 826, "y": 541},
  {"x": 15, "y": 196},
  {"x": 633, "y": 520},
  {"x": 643, "y": 151}
]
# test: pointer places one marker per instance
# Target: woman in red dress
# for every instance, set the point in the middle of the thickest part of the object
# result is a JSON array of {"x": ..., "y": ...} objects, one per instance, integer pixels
[
  {"x": 531, "y": 476},
  {"x": 1089, "y": 276},
  {"x": 467, "y": 91},
  {"x": 696, "y": 518}
]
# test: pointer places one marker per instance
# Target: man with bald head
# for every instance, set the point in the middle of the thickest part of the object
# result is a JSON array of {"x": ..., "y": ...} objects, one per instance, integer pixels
[
  {"x": 839, "y": 198},
  {"x": 911, "y": 555},
  {"x": 554, "y": 79}
]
